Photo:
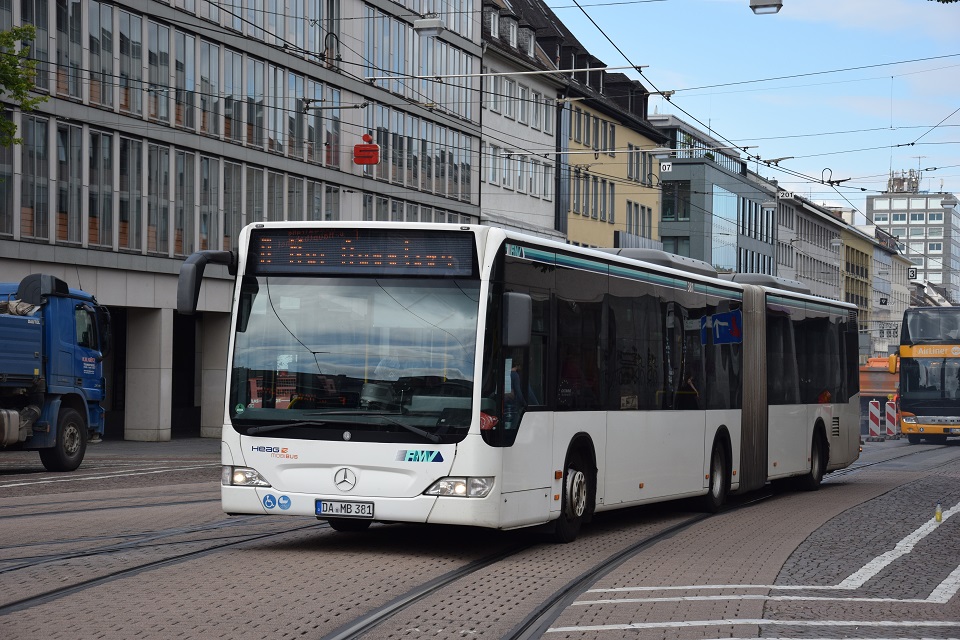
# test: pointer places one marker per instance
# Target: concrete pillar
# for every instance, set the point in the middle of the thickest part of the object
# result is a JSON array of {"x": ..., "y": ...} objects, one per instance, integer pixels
[
  {"x": 215, "y": 336},
  {"x": 149, "y": 374}
]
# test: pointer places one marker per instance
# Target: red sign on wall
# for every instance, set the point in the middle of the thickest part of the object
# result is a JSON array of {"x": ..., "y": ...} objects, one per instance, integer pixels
[{"x": 366, "y": 154}]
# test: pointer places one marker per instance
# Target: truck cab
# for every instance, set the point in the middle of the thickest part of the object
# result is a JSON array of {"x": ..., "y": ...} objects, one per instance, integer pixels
[{"x": 54, "y": 339}]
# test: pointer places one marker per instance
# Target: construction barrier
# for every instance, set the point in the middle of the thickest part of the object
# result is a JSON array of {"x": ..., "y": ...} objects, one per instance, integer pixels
[
  {"x": 875, "y": 419},
  {"x": 892, "y": 420}
]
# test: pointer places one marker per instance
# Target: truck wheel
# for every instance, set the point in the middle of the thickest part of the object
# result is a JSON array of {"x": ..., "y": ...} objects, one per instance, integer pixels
[
  {"x": 71, "y": 444},
  {"x": 913, "y": 438},
  {"x": 574, "y": 499}
]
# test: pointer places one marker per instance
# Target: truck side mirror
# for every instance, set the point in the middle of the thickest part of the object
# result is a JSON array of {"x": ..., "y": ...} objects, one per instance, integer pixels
[
  {"x": 517, "y": 319},
  {"x": 105, "y": 331}
]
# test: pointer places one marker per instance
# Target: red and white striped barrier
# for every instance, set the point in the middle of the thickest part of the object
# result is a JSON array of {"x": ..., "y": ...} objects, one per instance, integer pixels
[
  {"x": 892, "y": 420},
  {"x": 875, "y": 419}
]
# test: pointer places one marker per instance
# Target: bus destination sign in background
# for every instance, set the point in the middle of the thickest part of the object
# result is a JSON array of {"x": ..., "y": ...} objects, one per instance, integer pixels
[{"x": 362, "y": 252}]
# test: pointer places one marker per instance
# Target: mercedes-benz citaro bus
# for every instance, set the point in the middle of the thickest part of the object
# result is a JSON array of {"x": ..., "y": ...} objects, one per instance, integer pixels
[{"x": 461, "y": 374}]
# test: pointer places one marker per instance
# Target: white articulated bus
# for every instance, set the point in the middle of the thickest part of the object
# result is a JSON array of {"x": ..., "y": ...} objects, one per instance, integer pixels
[{"x": 449, "y": 374}]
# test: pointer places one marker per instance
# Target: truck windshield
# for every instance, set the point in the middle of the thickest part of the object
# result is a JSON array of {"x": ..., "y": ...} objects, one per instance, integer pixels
[{"x": 368, "y": 359}]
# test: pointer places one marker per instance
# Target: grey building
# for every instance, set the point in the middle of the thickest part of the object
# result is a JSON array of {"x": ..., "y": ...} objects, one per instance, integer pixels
[
  {"x": 927, "y": 228},
  {"x": 170, "y": 125},
  {"x": 712, "y": 207}
]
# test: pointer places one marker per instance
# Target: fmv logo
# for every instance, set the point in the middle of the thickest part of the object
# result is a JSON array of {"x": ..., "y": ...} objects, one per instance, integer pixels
[{"x": 419, "y": 455}]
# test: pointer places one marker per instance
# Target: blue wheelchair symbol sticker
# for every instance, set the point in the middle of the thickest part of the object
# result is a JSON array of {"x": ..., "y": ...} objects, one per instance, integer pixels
[
  {"x": 269, "y": 501},
  {"x": 283, "y": 502}
]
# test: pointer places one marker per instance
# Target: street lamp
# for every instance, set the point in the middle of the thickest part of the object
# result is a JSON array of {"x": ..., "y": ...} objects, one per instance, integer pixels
[
  {"x": 429, "y": 26},
  {"x": 761, "y": 7}
]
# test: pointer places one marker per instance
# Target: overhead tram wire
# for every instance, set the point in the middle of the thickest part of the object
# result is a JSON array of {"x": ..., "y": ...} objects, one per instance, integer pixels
[{"x": 721, "y": 137}]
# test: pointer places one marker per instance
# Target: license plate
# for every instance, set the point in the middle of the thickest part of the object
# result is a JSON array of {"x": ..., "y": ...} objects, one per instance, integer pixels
[{"x": 340, "y": 509}]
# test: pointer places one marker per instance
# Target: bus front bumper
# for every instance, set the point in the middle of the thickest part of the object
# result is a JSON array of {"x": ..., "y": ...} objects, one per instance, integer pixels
[{"x": 418, "y": 509}]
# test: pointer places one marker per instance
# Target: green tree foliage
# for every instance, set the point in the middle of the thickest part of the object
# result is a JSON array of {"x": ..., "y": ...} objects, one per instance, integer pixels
[{"x": 17, "y": 72}]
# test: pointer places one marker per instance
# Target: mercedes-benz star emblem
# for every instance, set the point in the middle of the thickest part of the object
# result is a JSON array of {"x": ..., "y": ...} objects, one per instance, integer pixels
[{"x": 345, "y": 479}]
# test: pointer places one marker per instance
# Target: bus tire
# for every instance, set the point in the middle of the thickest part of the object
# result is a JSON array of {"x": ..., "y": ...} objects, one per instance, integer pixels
[
  {"x": 67, "y": 453},
  {"x": 716, "y": 495},
  {"x": 913, "y": 438},
  {"x": 349, "y": 525},
  {"x": 818, "y": 462},
  {"x": 574, "y": 498}
]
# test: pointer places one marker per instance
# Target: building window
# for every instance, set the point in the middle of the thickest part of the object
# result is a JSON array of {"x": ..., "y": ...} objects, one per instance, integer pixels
[
  {"x": 275, "y": 194},
  {"x": 507, "y": 181},
  {"x": 255, "y": 103},
  {"x": 899, "y": 218},
  {"x": 935, "y": 217},
  {"x": 185, "y": 66},
  {"x": 100, "y": 212},
  {"x": 158, "y": 199},
  {"x": 881, "y": 203},
  {"x": 881, "y": 218},
  {"x": 934, "y": 247},
  {"x": 255, "y": 195},
  {"x": 536, "y": 105},
  {"x": 131, "y": 192},
  {"x": 210, "y": 88},
  {"x": 69, "y": 181},
  {"x": 34, "y": 195},
  {"x": 131, "y": 64},
  {"x": 69, "y": 48},
  {"x": 548, "y": 182},
  {"x": 36, "y": 12},
  {"x": 209, "y": 203},
  {"x": 100, "y": 27},
  {"x": 158, "y": 57},
  {"x": 509, "y": 97},
  {"x": 916, "y": 217},
  {"x": 232, "y": 204},
  {"x": 184, "y": 200},
  {"x": 233, "y": 95},
  {"x": 523, "y": 107}
]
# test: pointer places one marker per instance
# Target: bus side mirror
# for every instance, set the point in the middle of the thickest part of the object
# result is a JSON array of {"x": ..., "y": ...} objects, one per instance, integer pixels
[
  {"x": 191, "y": 276},
  {"x": 892, "y": 363},
  {"x": 517, "y": 319}
]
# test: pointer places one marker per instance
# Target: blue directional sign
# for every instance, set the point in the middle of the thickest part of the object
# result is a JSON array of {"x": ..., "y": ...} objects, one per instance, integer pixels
[{"x": 722, "y": 328}]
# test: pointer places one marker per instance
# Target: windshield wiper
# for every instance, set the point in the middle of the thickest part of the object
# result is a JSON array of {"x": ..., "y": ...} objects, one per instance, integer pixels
[
  {"x": 385, "y": 415},
  {"x": 266, "y": 428}
]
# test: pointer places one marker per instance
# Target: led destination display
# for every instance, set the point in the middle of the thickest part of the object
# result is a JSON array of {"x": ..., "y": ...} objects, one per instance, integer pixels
[{"x": 362, "y": 252}]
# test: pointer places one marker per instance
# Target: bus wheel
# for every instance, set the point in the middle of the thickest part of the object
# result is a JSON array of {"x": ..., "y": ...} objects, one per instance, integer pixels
[
  {"x": 913, "y": 438},
  {"x": 349, "y": 524},
  {"x": 573, "y": 499},
  {"x": 818, "y": 453},
  {"x": 717, "y": 494},
  {"x": 67, "y": 453}
]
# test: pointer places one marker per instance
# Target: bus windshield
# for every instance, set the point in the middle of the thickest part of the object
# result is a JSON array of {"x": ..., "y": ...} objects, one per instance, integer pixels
[
  {"x": 362, "y": 358},
  {"x": 931, "y": 378}
]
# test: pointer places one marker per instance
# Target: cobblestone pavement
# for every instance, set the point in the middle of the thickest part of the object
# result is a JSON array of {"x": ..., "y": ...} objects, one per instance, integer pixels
[
  {"x": 134, "y": 545},
  {"x": 861, "y": 558}
]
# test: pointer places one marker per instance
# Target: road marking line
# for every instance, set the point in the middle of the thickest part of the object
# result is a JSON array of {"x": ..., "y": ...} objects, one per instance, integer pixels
[
  {"x": 909, "y": 624},
  {"x": 106, "y": 477},
  {"x": 748, "y": 597},
  {"x": 903, "y": 547}
]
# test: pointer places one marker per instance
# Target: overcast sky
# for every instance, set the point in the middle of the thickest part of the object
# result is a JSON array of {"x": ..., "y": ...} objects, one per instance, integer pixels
[{"x": 867, "y": 75}]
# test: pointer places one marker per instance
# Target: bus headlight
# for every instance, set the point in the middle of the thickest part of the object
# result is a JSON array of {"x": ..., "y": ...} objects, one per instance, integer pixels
[
  {"x": 909, "y": 419},
  {"x": 241, "y": 477},
  {"x": 461, "y": 487}
]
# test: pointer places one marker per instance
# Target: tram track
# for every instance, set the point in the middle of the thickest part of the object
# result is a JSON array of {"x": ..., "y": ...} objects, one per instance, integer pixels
[
  {"x": 55, "y": 594},
  {"x": 134, "y": 542},
  {"x": 540, "y": 619}
]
